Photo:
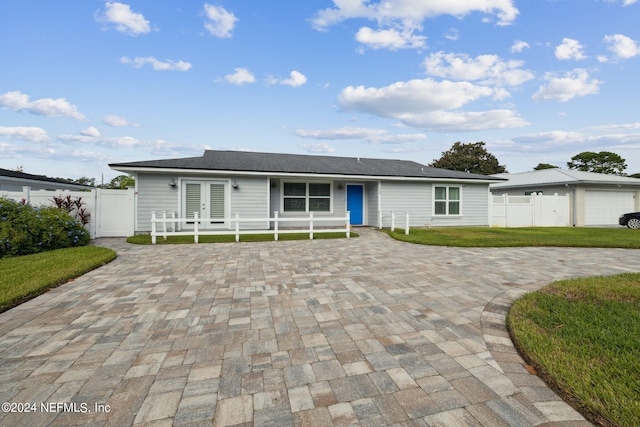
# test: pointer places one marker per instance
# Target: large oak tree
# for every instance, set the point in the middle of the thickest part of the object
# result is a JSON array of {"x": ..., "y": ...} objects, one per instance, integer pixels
[
  {"x": 472, "y": 158},
  {"x": 602, "y": 162}
]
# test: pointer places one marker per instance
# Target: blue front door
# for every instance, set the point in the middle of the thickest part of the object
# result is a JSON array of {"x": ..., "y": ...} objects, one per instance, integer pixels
[{"x": 355, "y": 203}]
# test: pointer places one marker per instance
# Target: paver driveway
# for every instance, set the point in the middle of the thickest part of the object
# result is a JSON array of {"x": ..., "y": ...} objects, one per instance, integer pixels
[{"x": 367, "y": 331}]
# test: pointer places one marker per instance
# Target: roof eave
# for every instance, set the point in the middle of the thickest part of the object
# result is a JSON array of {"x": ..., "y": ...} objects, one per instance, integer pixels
[{"x": 130, "y": 169}]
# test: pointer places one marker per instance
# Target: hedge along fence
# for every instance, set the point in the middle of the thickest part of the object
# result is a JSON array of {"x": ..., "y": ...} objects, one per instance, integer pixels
[{"x": 25, "y": 229}]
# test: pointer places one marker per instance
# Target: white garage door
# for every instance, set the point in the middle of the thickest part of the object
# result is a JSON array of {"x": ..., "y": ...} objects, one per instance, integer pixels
[{"x": 604, "y": 207}]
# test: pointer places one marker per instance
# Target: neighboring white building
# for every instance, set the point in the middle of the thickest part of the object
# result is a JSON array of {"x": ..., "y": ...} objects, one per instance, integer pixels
[
  {"x": 220, "y": 184},
  {"x": 596, "y": 199}
]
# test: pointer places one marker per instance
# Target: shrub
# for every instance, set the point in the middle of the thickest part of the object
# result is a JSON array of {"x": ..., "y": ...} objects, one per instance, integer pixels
[{"x": 26, "y": 229}]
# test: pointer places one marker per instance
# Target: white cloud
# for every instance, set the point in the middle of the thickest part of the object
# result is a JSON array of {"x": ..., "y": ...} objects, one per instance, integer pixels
[
  {"x": 125, "y": 20},
  {"x": 623, "y": 47},
  {"x": 157, "y": 147},
  {"x": 321, "y": 147},
  {"x": 428, "y": 104},
  {"x": 570, "y": 49},
  {"x": 624, "y": 2},
  {"x": 341, "y": 133},
  {"x": 518, "y": 46},
  {"x": 27, "y": 133},
  {"x": 399, "y": 19},
  {"x": 372, "y": 136},
  {"x": 487, "y": 69},
  {"x": 47, "y": 107},
  {"x": 240, "y": 77},
  {"x": 90, "y": 131},
  {"x": 453, "y": 34},
  {"x": 117, "y": 121},
  {"x": 220, "y": 23},
  {"x": 296, "y": 79},
  {"x": 157, "y": 65},
  {"x": 572, "y": 84},
  {"x": 411, "y": 11},
  {"x": 545, "y": 141},
  {"x": 392, "y": 39},
  {"x": 625, "y": 126}
]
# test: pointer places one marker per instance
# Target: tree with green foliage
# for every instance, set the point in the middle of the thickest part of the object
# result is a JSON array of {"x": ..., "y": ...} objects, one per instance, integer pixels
[
  {"x": 82, "y": 180},
  {"x": 542, "y": 166},
  {"x": 121, "y": 182},
  {"x": 472, "y": 158},
  {"x": 603, "y": 162}
]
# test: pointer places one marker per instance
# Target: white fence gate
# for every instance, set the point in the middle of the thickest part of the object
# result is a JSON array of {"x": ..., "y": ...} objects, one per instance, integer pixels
[
  {"x": 535, "y": 210},
  {"x": 112, "y": 211}
]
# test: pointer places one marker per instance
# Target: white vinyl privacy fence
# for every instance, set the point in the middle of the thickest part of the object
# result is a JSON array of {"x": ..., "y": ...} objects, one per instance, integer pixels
[
  {"x": 112, "y": 211},
  {"x": 536, "y": 210}
]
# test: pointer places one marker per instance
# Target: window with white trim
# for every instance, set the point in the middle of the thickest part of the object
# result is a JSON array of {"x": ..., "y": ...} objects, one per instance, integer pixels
[
  {"x": 446, "y": 200},
  {"x": 306, "y": 197}
]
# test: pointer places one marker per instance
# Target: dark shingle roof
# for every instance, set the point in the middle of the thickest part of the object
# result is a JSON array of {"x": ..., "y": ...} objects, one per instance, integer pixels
[
  {"x": 247, "y": 161},
  {"x": 21, "y": 175}
]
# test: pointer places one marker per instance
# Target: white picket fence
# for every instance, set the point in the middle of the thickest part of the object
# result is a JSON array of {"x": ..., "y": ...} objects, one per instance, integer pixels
[
  {"x": 391, "y": 217},
  {"x": 536, "y": 210},
  {"x": 112, "y": 211},
  {"x": 170, "y": 225}
]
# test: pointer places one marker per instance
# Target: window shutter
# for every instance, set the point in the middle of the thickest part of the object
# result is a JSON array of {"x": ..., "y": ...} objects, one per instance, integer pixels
[
  {"x": 217, "y": 201},
  {"x": 192, "y": 199}
]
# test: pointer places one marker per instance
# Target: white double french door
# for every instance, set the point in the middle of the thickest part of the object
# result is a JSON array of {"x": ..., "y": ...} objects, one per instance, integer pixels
[{"x": 206, "y": 198}]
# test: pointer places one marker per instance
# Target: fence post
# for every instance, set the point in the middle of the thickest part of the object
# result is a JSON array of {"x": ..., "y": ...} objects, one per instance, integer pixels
[
  {"x": 534, "y": 205},
  {"x": 393, "y": 221},
  {"x": 164, "y": 224},
  {"x": 153, "y": 227},
  {"x": 506, "y": 209},
  {"x": 237, "y": 226},
  {"x": 275, "y": 226},
  {"x": 406, "y": 223},
  {"x": 26, "y": 190},
  {"x": 173, "y": 223},
  {"x": 348, "y": 224},
  {"x": 196, "y": 222},
  {"x": 311, "y": 225}
]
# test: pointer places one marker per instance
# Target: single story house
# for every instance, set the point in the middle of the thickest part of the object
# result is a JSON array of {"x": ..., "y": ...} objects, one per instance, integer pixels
[
  {"x": 596, "y": 199},
  {"x": 220, "y": 184},
  {"x": 15, "y": 181}
]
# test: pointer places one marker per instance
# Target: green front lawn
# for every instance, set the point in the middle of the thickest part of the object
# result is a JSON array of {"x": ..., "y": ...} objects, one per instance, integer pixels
[
  {"x": 531, "y": 236},
  {"x": 583, "y": 337},
  {"x": 145, "y": 239},
  {"x": 28, "y": 276}
]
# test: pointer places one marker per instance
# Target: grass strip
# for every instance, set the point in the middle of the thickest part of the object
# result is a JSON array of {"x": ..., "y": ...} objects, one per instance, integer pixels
[
  {"x": 529, "y": 236},
  {"x": 27, "y": 276},
  {"x": 582, "y": 336},
  {"x": 145, "y": 239}
]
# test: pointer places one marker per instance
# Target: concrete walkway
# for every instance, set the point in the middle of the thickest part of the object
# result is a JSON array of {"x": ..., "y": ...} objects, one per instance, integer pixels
[{"x": 367, "y": 331}]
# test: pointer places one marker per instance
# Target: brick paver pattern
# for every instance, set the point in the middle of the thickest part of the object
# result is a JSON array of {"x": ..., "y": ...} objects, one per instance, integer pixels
[{"x": 367, "y": 331}]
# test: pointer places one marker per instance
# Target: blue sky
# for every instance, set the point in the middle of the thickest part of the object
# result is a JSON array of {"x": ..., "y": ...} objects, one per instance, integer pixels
[{"x": 86, "y": 83}]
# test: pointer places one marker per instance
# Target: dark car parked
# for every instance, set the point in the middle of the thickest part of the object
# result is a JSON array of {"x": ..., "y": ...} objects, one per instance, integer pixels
[{"x": 631, "y": 220}]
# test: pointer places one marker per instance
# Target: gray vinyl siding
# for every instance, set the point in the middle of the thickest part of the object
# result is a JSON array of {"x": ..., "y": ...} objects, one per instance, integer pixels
[
  {"x": 154, "y": 194},
  {"x": 338, "y": 205},
  {"x": 401, "y": 197},
  {"x": 371, "y": 203},
  {"x": 416, "y": 198},
  {"x": 474, "y": 209},
  {"x": 250, "y": 200}
]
